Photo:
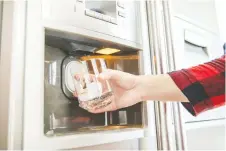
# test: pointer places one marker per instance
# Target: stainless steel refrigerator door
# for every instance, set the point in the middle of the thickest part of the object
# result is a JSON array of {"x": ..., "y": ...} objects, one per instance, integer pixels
[
  {"x": 149, "y": 141},
  {"x": 170, "y": 133},
  {"x": 1, "y": 9},
  {"x": 34, "y": 90},
  {"x": 12, "y": 74}
]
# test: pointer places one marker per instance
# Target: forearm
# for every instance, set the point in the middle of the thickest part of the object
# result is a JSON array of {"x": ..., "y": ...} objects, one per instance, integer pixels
[{"x": 161, "y": 88}]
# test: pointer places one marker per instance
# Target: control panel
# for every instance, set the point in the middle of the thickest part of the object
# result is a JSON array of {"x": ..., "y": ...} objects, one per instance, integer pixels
[{"x": 115, "y": 18}]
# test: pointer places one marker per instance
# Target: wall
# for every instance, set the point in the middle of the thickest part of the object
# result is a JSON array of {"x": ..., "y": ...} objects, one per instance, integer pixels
[
  {"x": 207, "y": 139},
  {"x": 201, "y": 12},
  {"x": 220, "y": 12}
]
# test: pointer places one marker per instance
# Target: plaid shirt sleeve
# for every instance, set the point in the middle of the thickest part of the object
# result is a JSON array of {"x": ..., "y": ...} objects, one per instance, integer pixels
[{"x": 203, "y": 85}]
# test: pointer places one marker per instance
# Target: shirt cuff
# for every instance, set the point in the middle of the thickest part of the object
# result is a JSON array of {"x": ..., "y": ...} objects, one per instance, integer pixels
[{"x": 186, "y": 83}]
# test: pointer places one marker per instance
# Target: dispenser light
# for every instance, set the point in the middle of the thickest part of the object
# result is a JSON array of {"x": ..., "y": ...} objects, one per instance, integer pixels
[{"x": 107, "y": 51}]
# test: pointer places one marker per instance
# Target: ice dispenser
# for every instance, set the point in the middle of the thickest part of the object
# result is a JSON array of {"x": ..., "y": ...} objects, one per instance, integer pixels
[{"x": 62, "y": 114}]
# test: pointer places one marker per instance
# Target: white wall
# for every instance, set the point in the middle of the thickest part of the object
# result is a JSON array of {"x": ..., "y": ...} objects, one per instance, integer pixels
[
  {"x": 221, "y": 18},
  {"x": 206, "y": 138},
  {"x": 200, "y": 11}
]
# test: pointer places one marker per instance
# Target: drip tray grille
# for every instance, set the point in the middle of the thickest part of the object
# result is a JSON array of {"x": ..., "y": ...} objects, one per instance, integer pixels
[
  {"x": 92, "y": 129},
  {"x": 107, "y": 128}
]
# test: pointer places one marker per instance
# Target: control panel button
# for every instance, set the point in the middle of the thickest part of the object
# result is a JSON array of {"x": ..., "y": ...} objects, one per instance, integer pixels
[
  {"x": 90, "y": 13},
  {"x": 121, "y": 4},
  {"x": 95, "y": 15},
  {"x": 98, "y": 15},
  {"x": 113, "y": 20},
  {"x": 101, "y": 16},
  {"x": 122, "y": 14},
  {"x": 106, "y": 18}
]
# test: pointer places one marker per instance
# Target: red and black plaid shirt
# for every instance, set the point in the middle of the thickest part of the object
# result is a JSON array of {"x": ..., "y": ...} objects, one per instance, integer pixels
[{"x": 203, "y": 85}]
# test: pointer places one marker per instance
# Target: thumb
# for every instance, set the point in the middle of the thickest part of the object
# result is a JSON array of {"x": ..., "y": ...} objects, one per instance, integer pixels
[{"x": 109, "y": 74}]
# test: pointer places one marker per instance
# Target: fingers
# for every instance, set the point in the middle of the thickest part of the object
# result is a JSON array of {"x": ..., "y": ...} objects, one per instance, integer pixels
[
  {"x": 79, "y": 77},
  {"x": 107, "y": 108},
  {"x": 109, "y": 74},
  {"x": 75, "y": 94},
  {"x": 104, "y": 85}
]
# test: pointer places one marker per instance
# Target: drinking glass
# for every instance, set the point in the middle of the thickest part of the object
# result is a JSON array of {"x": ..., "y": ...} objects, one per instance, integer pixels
[{"x": 91, "y": 91}]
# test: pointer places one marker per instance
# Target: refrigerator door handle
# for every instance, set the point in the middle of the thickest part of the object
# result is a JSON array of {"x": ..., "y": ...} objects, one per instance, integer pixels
[
  {"x": 169, "y": 124},
  {"x": 176, "y": 112}
]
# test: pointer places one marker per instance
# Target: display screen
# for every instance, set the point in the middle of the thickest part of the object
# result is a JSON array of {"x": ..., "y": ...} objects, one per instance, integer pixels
[{"x": 104, "y": 7}]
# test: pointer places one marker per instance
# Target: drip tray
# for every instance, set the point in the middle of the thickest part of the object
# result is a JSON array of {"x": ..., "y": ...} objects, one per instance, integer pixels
[
  {"x": 108, "y": 128},
  {"x": 92, "y": 129}
]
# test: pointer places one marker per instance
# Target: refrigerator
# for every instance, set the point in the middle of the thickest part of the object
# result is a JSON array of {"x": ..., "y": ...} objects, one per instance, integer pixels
[{"x": 142, "y": 27}]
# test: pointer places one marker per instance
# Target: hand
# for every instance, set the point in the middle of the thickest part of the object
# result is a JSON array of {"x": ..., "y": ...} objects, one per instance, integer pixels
[
  {"x": 126, "y": 90},
  {"x": 130, "y": 89}
]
